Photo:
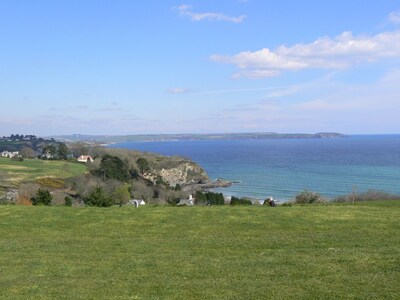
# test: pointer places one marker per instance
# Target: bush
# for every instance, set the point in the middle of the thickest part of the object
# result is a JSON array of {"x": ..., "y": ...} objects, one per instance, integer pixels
[
  {"x": 50, "y": 182},
  {"x": 370, "y": 195},
  {"x": 42, "y": 197},
  {"x": 68, "y": 201},
  {"x": 308, "y": 197},
  {"x": 6, "y": 199},
  {"x": 17, "y": 158},
  {"x": 98, "y": 197},
  {"x": 121, "y": 194},
  {"x": 210, "y": 198},
  {"x": 200, "y": 197},
  {"x": 240, "y": 201}
]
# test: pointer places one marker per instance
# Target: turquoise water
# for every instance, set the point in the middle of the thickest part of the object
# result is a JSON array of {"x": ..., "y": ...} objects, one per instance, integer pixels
[{"x": 282, "y": 168}]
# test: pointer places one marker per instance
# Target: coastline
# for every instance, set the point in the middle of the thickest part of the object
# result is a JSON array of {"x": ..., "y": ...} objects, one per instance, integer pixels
[{"x": 286, "y": 167}]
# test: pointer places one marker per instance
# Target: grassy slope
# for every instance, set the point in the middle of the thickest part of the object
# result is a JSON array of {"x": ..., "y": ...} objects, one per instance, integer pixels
[
  {"x": 30, "y": 169},
  {"x": 326, "y": 252}
]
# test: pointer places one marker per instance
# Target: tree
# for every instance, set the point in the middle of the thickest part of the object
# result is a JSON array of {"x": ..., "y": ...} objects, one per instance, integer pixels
[
  {"x": 121, "y": 194},
  {"x": 112, "y": 167},
  {"x": 50, "y": 149},
  {"x": 98, "y": 197},
  {"x": 42, "y": 197},
  {"x": 79, "y": 149},
  {"x": 62, "y": 151},
  {"x": 27, "y": 152},
  {"x": 143, "y": 165}
]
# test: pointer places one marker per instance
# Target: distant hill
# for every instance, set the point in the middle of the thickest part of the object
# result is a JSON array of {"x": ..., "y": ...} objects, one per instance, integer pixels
[
  {"x": 37, "y": 145},
  {"x": 188, "y": 137}
]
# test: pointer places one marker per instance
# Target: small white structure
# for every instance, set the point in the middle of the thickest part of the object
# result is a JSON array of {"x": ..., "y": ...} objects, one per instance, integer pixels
[
  {"x": 85, "y": 158},
  {"x": 9, "y": 154},
  {"x": 136, "y": 202},
  {"x": 188, "y": 202}
]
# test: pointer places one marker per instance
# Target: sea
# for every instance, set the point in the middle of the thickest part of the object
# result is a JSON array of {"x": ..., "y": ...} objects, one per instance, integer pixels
[{"x": 281, "y": 168}]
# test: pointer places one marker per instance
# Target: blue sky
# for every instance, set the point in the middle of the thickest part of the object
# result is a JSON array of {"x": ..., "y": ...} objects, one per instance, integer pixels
[{"x": 131, "y": 67}]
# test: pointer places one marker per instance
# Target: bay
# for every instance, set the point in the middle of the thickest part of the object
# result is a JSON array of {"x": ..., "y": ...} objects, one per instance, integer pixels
[{"x": 284, "y": 167}]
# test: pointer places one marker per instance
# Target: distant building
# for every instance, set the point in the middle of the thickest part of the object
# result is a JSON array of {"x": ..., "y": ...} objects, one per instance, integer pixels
[
  {"x": 9, "y": 154},
  {"x": 85, "y": 158}
]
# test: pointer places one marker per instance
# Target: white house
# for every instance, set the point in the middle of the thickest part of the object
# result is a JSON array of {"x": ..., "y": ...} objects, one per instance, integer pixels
[
  {"x": 85, "y": 158},
  {"x": 9, "y": 154}
]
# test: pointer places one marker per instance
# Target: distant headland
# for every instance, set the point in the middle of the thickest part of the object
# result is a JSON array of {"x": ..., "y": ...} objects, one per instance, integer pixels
[{"x": 194, "y": 137}]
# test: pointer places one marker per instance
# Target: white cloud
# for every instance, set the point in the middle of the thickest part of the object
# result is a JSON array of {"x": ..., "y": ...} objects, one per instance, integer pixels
[
  {"x": 394, "y": 17},
  {"x": 177, "y": 91},
  {"x": 339, "y": 52},
  {"x": 186, "y": 10}
]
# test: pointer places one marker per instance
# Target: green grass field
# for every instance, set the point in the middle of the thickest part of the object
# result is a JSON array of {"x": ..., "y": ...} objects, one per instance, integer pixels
[
  {"x": 16, "y": 172},
  {"x": 299, "y": 252}
]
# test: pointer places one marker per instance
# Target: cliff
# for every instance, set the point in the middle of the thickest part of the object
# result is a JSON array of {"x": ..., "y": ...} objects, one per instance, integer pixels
[
  {"x": 172, "y": 170},
  {"x": 177, "y": 171}
]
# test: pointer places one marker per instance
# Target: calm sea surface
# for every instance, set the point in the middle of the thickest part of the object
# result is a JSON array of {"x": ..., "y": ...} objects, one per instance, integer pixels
[{"x": 282, "y": 168}]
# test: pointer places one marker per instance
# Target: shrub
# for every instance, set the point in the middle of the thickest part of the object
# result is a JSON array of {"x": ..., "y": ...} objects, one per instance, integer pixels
[
  {"x": 7, "y": 198},
  {"x": 370, "y": 195},
  {"x": 42, "y": 197},
  {"x": 200, "y": 197},
  {"x": 210, "y": 198},
  {"x": 68, "y": 201},
  {"x": 50, "y": 182},
  {"x": 121, "y": 194},
  {"x": 308, "y": 197},
  {"x": 98, "y": 197},
  {"x": 17, "y": 158},
  {"x": 240, "y": 201}
]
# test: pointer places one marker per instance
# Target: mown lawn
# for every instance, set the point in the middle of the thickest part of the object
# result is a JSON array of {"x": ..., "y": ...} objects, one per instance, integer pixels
[
  {"x": 299, "y": 252},
  {"x": 16, "y": 172}
]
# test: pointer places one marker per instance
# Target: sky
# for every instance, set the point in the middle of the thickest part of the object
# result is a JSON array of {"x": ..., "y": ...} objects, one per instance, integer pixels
[{"x": 138, "y": 67}]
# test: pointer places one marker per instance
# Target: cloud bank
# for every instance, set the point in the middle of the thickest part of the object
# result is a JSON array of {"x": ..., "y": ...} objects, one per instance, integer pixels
[{"x": 342, "y": 51}]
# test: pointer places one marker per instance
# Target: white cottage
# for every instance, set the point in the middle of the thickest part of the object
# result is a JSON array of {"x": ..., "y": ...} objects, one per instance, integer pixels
[{"x": 85, "y": 158}]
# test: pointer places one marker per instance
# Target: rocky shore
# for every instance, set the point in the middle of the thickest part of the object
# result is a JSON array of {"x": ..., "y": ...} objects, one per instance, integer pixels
[{"x": 204, "y": 186}]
